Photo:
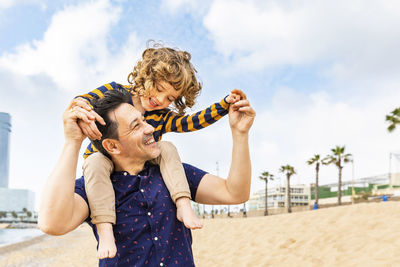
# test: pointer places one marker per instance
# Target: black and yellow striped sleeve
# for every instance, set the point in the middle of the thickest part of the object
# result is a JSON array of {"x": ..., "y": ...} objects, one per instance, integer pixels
[
  {"x": 89, "y": 150},
  {"x": 171, "y": 122},
  {"x": 96, "y": 94},
  {"x": 99, "y": 92}
]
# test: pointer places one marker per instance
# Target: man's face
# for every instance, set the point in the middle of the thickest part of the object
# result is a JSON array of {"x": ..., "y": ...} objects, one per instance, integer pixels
[
  {"x": 135, "y": 134},
  {"x": 160, "y": 97}
]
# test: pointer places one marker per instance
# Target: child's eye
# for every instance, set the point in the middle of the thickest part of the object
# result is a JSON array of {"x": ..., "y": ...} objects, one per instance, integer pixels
[{"x": 158, "y": 89}]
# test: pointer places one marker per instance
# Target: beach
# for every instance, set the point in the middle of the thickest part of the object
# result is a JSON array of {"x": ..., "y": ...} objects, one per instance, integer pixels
[{"x": 365, "y": 234}]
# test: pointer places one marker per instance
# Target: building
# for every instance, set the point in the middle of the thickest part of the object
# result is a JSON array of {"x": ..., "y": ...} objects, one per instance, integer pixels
[
  {"x": 16, "y": 199},
  {"x": 10, "y": 199},
  {"x": 5, "y": 129},
  {"x": 299, "y": 196}
]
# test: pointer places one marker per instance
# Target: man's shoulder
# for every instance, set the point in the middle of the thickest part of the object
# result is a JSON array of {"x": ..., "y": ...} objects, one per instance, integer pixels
[{"x": 194, "y": 176}]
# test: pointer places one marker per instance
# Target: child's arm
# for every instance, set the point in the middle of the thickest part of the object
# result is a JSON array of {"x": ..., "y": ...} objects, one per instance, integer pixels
[
  {"x": 99, "y": 91},
  {"x": 84, "y": 101},
  {"x": 171, "y": 122}
]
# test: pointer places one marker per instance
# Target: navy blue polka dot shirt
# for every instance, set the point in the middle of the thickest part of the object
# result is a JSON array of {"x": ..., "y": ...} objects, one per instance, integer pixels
[{"x": 147, "y": 232}]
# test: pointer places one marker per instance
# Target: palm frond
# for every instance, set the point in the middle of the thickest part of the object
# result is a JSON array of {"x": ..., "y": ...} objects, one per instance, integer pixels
[{"x": 394, "y": 119}]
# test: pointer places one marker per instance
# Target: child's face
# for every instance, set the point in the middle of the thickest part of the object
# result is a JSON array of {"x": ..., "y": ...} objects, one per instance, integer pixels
[{"x": 160, "y": 97}]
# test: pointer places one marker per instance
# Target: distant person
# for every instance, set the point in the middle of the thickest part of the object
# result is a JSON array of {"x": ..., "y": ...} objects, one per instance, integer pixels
[
  {"x": 163, "y": 76},
  {"x": 147, "y": 231}
]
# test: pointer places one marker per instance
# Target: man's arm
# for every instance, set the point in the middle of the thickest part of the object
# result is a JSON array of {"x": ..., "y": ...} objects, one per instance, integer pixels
[
  {"x": 61, "y": 209},
  {"x": 236, "y": 188}
]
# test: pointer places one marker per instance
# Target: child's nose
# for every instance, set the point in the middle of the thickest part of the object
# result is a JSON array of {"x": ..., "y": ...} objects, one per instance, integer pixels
[{"x": 161, "y": 99}]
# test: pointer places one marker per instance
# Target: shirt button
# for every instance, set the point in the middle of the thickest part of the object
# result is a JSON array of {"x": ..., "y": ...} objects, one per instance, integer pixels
[
  {"x": 142, "y": 190},
  {"x": 155, "y": 238},
  {"x": 149, "y": 213},
  {"x": 125, "y": 173},
  {"x": 161, "y": 264}
]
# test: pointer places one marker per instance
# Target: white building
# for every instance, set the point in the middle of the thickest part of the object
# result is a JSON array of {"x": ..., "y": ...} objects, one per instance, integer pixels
[
  {"x": 16, "y": 199},
  {"x": 299, "y": 196}
]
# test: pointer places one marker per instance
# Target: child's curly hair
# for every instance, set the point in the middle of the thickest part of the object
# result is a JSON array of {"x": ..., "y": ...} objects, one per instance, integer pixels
[{"x": 171, "y": 65}]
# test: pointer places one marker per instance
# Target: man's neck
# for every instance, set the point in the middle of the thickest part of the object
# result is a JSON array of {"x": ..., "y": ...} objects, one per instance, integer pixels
[{"x": 131, "y": 166}]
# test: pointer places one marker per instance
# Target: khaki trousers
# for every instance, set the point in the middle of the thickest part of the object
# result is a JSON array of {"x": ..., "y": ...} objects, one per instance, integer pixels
[{"x": 97, "y": 169}]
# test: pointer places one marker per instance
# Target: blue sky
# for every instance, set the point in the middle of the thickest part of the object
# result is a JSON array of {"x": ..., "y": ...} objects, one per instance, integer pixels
[{"x": 319, "y": 74}]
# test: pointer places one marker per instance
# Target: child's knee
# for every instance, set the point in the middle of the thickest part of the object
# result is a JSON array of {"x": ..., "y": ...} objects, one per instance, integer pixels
[
  {"x": 167, "y": 146},
  {"x": 97, "y": 160}
]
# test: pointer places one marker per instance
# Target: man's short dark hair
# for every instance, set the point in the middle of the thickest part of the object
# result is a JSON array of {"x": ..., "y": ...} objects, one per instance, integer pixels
[{"x": 104, "y": 107}]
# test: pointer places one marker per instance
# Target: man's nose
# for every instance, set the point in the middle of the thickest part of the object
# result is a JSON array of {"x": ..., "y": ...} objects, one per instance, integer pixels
[{"x": 149, "y": 129}]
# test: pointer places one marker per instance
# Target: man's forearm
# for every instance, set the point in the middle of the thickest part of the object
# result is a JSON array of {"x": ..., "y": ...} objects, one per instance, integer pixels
[
  {"x": 57, "y": 202},
  {"x": 239, "y": 178}
]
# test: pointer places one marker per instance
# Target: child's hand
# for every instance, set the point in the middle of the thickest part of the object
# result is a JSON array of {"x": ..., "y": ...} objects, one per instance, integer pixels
[
  {"x": 235, "y": 96},
  {"x": 87, "y": 124}
]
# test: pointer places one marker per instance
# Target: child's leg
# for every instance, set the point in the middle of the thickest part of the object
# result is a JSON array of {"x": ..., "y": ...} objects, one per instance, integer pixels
[
  {"x": 175, "y": 179},
  {"x": 97, "y": 169}
]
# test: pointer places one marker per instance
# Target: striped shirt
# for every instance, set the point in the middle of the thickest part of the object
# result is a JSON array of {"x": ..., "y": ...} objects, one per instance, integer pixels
[{"x": 165, "y": 120}]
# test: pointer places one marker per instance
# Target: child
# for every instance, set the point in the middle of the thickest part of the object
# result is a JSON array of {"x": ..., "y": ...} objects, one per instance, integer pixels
[{"x": 163, "y": 76}]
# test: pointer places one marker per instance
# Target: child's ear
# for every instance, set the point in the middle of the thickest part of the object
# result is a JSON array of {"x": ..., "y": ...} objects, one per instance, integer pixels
[{"x": 112, "y": 146}]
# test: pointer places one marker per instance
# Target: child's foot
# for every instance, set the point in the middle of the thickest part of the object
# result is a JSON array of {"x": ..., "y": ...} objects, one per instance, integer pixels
[
  {"x": 186, "y": 214},
  {"x": 107, "y": 247}
]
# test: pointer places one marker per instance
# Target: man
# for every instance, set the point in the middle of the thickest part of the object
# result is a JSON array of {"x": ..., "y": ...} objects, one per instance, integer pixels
[{"x": 147, "y": 232}]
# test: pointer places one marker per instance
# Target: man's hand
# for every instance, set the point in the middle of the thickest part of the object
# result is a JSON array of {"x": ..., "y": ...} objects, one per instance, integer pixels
[
  {"x": 241, "y": 114},
  {"x": 87, "y": 123}
]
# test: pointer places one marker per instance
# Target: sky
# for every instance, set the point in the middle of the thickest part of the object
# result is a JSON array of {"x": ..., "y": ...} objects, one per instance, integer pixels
[{"x": 318, "y": 73}]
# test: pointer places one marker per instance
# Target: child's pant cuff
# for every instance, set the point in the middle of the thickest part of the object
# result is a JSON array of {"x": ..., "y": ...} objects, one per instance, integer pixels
[
  {"x": 103, "y": 219},
  {"x": 178, "y": 195}
]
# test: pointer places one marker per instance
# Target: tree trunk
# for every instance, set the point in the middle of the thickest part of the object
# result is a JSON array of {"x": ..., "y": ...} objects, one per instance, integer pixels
[
  {"x": 266, "y": 198},
  {"x": 316, "y": 184},
  {"x": 288, "y": 204},
  {"x": 340, "y": 186}
]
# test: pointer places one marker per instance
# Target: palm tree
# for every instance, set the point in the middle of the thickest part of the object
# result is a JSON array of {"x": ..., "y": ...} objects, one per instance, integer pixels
[
  {"x": 394, "y": 119},
  {"x": 338, "y": 157},
  {"x": 266, "y": 176},
  {"x": 317, "y": 161},
  {"x": 289, "y": 171}
]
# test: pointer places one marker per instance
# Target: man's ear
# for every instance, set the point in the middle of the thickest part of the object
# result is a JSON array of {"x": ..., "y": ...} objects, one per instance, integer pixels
[{"x": 112, "y": 146}]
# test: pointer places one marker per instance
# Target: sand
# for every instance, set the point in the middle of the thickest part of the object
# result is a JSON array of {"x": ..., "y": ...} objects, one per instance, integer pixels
[{"x": 365, "y": 234}]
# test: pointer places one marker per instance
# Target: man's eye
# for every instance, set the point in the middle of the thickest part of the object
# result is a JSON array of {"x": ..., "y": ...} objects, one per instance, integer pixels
[
  {"x": 171, "y": 99},
  {"x": 158, "y": 89}
]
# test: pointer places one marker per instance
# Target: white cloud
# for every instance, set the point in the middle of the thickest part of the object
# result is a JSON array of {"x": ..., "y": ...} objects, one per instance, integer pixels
[
  {"x": 358, "y": 38},
  {"x": 75, "y": 49}
]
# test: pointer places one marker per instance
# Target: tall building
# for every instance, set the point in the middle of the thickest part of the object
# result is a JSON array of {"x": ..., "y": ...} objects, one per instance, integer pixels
[{"x": 5, "y": 129}]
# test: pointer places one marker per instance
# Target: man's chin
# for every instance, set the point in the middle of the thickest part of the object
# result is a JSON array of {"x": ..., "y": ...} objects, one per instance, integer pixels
[{"x": 155, "y": 151}]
